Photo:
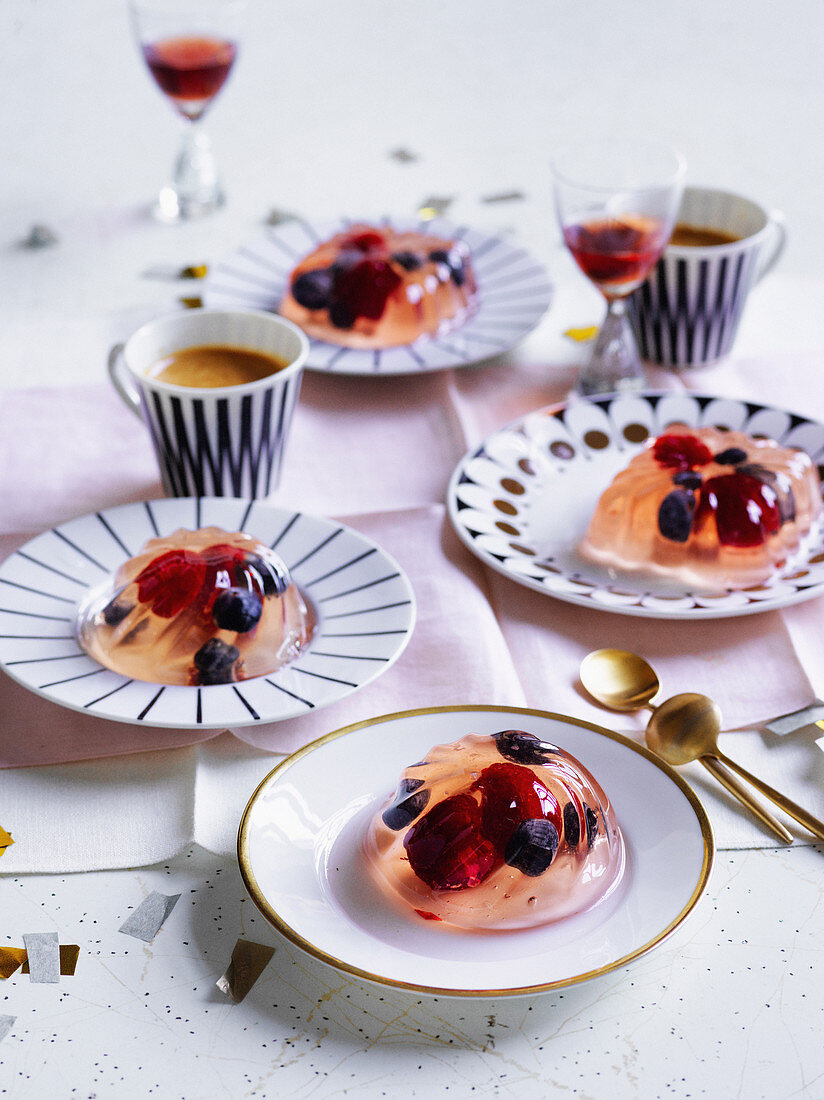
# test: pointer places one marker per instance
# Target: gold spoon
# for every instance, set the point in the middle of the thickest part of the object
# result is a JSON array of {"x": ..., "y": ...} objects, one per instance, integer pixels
[{"x": 624, "y": 681}]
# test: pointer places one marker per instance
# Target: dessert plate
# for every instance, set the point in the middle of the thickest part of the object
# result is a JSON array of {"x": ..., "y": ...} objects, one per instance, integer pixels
[
  {"x": 299, "y": 848},
  {"x": 514, "y": 294},
  {"x": 364, "y": 604},
  {"x": 522, "y": 501}
]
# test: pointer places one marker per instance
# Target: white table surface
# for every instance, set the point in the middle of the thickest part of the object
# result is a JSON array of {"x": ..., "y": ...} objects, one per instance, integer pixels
[{"x": 322, "y": 93}]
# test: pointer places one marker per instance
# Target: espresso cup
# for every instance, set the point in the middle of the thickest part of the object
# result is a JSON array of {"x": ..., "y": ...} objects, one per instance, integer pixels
[
  {"x": 222, "y": 440},
  {"x": 687, "y": 312}
]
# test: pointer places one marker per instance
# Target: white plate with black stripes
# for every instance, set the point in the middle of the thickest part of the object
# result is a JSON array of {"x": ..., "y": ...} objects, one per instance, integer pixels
[
  {"x": 364, "y": 604},
  {"x": 514, "y": 293}
]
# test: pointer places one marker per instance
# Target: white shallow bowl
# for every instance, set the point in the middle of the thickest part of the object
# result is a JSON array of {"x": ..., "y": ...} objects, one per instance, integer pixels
[
  {"x": 299, "y": 848},
  {"x": 363, "y": 600}
]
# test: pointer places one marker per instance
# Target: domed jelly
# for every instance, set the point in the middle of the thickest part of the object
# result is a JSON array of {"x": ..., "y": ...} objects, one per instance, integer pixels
[
  {"x": 198, "y": 608},
  {"x": 711, "y": 508},
  {"x": 496, "y": 832},
  {"x": 375, "y": 287}
]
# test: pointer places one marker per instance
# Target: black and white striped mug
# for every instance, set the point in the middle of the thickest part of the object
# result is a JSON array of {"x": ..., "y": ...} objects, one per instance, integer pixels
[
  {"x": 223, "y": 440},
  {"x": 687, "y": 312}
]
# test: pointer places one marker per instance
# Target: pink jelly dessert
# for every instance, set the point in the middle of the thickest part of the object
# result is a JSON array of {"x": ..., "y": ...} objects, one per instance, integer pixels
[
  {"x": 197, "y": 607},
  {"x": 375, "y": 287},
  {"x": 496, "y": 832},
  {"x": 712, "y": 508}
]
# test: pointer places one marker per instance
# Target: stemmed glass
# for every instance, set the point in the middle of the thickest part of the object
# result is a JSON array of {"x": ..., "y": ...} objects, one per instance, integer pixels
[
  {"x": 189, "y": 47},
  {"x": 616, "y": 203}
]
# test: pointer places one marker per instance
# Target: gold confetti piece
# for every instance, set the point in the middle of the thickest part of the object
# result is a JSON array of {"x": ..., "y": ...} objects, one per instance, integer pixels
[
  {"x": 69, "y": 954},
  {"x": 5, "y": 840},
  {"x": 196, "y": 271},
  {"x": 403, "y": 156},
  {"x": 582, "y": 335},
  {"x": 249, "y": 960},
  {"x": 191, "y": 303},
  {"x": 11, "y": 959},
  {"x": 434, "y": 207},
  {"x": 504, "y": 196}
]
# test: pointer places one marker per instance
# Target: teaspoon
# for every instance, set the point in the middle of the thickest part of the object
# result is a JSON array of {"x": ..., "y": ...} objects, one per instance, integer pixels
[{"x": 624, "y": 681}]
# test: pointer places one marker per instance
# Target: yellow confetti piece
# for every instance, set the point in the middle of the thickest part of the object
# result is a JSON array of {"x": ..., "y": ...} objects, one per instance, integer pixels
[
  {"x": 5, "y": 840},
  {"x": 13, "y": 958},
  {"x": 191, "y": 303},
  {"x": 582, "y": 335},
  {"x": 194, "y": 271}
]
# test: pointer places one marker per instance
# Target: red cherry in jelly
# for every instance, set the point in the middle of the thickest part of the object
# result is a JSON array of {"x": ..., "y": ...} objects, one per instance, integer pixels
[
  {"x": 680, "y": 452},
  {"x": 171, "y": 582},
  {"x": 511, "y": 794},
  {"x": 365, "y": 288},
  {"x": 367, "y": 241},
  {"x": 746, "y": 510},
  {"x": 446, "y": 847}
]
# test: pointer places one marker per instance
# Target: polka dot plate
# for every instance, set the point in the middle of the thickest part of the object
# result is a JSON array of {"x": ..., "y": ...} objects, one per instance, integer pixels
[
  {"x": 522, "y": 501},
  {"x": 364, "y": 604},
  {"x": 513, "y": 288}
]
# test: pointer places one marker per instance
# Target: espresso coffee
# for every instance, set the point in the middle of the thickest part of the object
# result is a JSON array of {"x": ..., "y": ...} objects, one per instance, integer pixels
[
  {"x": 694, "y": 236},
  {"x": 215, "y": 366}
]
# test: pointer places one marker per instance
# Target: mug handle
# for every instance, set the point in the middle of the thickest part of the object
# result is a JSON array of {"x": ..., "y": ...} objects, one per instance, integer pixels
[
  {"x": 775, "y": 246},
  {"x": 120, "y": 380}
]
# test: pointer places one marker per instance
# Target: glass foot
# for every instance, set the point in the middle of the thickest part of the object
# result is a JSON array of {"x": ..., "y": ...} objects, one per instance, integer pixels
[
  {"x": 195, "y": 189},
  {"x": 615, "y": 365}
]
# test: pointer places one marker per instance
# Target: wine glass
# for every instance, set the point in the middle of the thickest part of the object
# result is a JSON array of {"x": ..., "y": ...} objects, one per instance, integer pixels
[
  {"x": 189, "y": 47},
  {"x": 616, "y": 203}
]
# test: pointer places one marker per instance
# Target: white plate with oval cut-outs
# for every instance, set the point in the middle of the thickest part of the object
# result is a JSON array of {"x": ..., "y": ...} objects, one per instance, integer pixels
[
  {"x": 300, "y": 854},
  {"x": 514, "y": 292},
  {"x": 522, "y": 501},
  {"x": 364, "y": 604}
]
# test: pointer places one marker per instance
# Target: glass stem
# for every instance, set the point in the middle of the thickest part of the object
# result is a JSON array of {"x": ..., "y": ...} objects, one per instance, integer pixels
[
  {"x": 195, "y": 188},
  {"x": 615, "y": 364}
]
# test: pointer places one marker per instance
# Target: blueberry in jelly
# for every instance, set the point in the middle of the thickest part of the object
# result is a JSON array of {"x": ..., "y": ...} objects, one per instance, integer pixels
[
  {"x": 237, "y": 609},
  {"x": 675, "y": 515},
  {"x": 272, "y": 579},
  {"x": 523, "y": 748},
  {"x": 409, "y": 801},
  {"x": 115, "y": 612},
  {"x": 592, "y": 825},
  {"x": 730, "y": 457},
  {"x": 572, "y": 825},
  {"x": 312, "y": 289},
  {"x": 532, "y": 846},
  {"x": 345, "y": 259},
  {"x": 687, "y": 479},
  {"x": 780, "y": 485},
  {"x": 214, "y": 661},
  {"x": 341, "y": 315},
  {"x": 409, "y": 261}
]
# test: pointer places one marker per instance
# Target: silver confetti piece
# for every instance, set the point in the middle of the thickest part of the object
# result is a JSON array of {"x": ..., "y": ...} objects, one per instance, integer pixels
[
  {"x": 40, "y": 236},
  {"x": 279, "y": 217},
  {"x": 435, "y": 206},
  {"x": 504, "y": 196},
  {"x": 6, "y": 1023},
  {"x": 43, "y": 953},
  {"x": 146, "y": 921},
  {"x": 797, "y": 719},
  {"x": 403, "y": 156}
]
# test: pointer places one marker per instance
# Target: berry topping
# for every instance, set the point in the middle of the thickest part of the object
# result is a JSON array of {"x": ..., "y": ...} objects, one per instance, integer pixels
[
  {"x": 532, "y": 847},
  {"x": 214, "y": 661},
  {"x": 365, "y": 242},
  {"x": 409, "y": 801},
  {"x": 572, "y": 825},
  {"x": 409, "y": 261},
  {"x": 746, "y": 510},
  {"x": 341, "y": 315},
  {"x": 365, "y": 288},
  {"x": 271, "y": 577},
  {"x": 313, "y": 288},
  {"x": 509, "y": 794},
  {"x": 687, "y": 479},
  {"x": 592, "y": 825},
  {"x": 675, "y": 515},
  {"x": 730, "y": 457},
  {"x": 115, "y": 612},
  {"x": 345, "y": 259},
  {"x": 680, "y": 452},
  {"x": 778, "y": 482},
  {"x": 237, "y": 609},
  {"x": 446, "y": 848},
  {"x": 453, "y": 260},
  {"x": 171, "y": 582},
  {"x": 523, "y": 748}
]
